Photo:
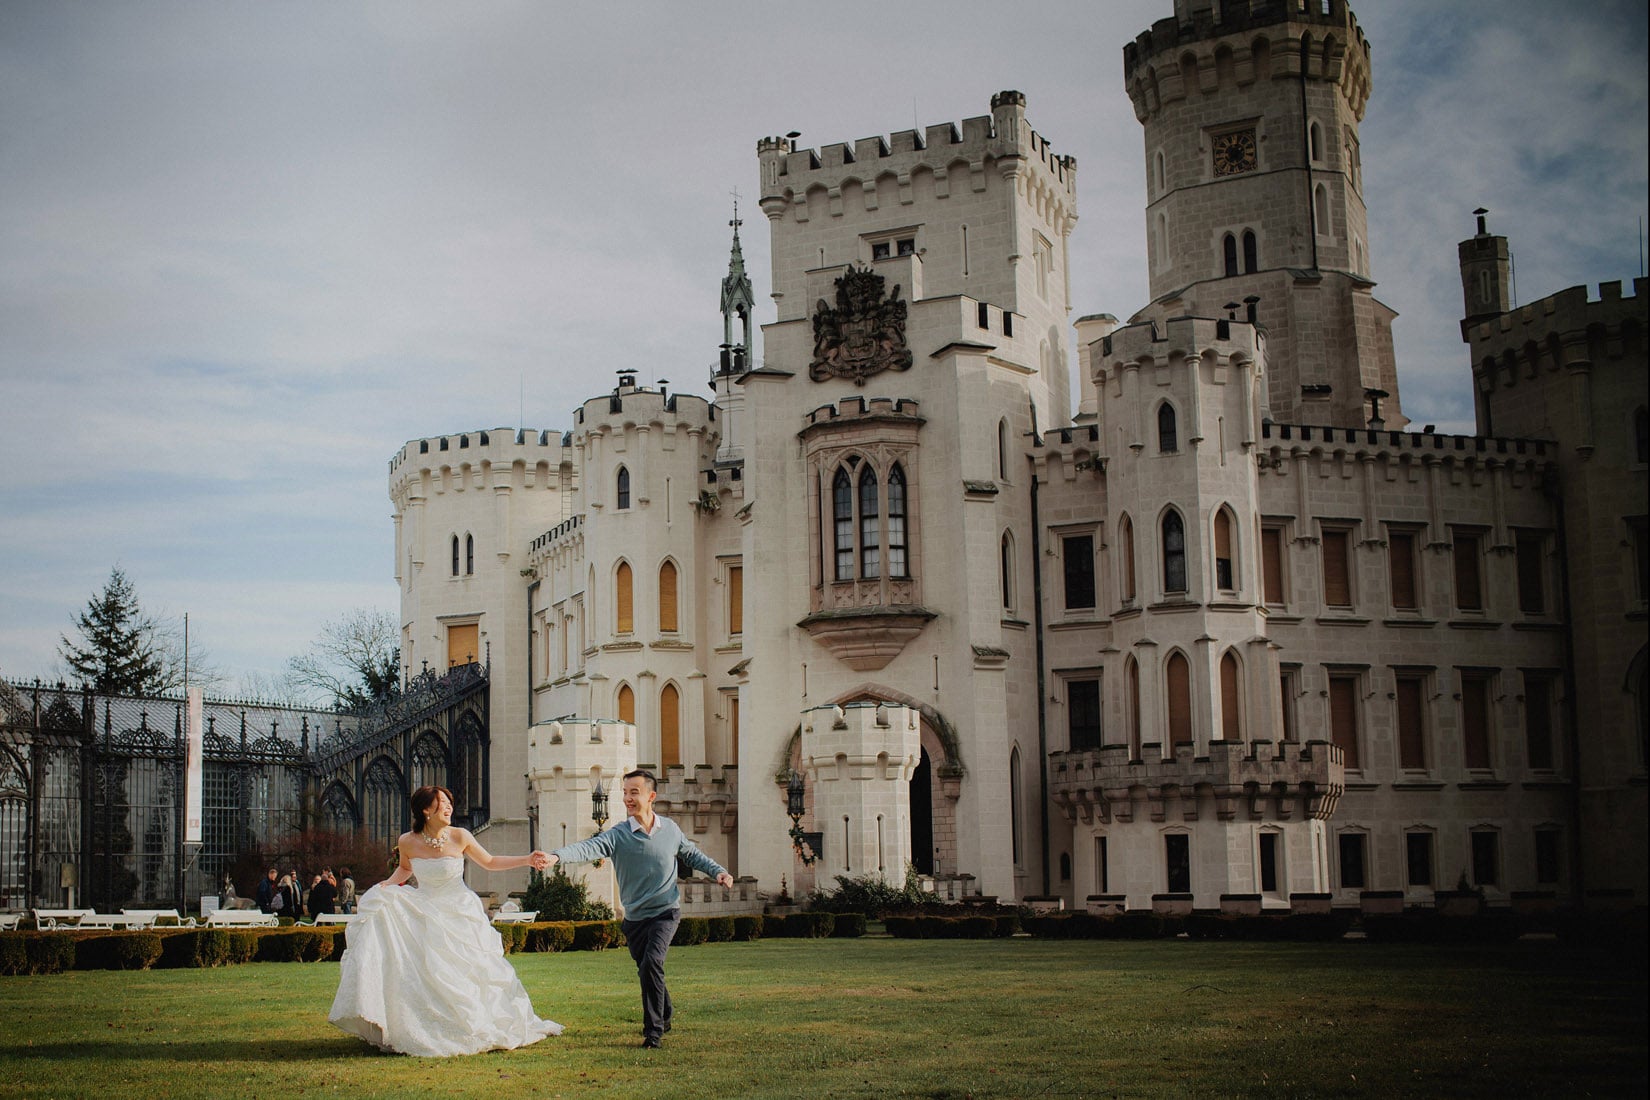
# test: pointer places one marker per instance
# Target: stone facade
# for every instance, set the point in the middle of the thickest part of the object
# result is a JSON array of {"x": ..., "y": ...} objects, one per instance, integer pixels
[{"x": 1226, "y": 635}]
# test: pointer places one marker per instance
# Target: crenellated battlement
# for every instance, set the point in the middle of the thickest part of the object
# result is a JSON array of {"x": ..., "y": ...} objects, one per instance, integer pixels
[
  {"x": 1280, "y": 441},
  {"x": 631, "y": 405},
  {"x": 1149, "y": 342},
  {"x": 1248, "y": 40},
  {"x": 904, "y": 408},
  {"x": 1571, "y": 312},
  {"x": 789, "y": 172},
  {"x": 484, "y": 445},
  {"x": 561, "y": 531}
]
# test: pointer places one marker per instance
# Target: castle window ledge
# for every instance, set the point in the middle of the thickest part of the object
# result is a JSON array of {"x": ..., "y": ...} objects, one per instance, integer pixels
[
  {"x": 1230, "y": 605},
  {"x": 1418, "y": 785},
  {"x": 1546, "y": 783},
  {"x": 1016, "y": 624},
  {"x": 1362, "y": 785},
  {"x": 866, "y": 638},
  {"x": 669, "y": 645},
  {"x": 1079, "y": 624},
  {"x": 1474, "y": 624},
  {"x": 1123, "y": 613},
  {"x": 1482, "y": 785},
  {"x": 731, "y": 647},
  {"x": 1409, "y": 622},
  {"x": 1343, "y": 620},
  {"x": 619, "y": 647},
  {"x": 1282, "y": 618},
  {"x": 1539, "y": 626},
  {"x": 990, "y": 657},
  {"x": 1174, "y": 606},
  {"x": 561, "y": 681},
  {"x": 980, "y": 490}
]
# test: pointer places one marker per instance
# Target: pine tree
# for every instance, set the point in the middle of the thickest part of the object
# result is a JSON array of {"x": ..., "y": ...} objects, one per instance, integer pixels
[{"x": 120, "y": 654}]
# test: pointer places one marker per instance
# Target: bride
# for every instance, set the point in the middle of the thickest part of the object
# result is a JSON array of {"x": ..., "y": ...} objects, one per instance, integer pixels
[{"x": 423, "y": 971}]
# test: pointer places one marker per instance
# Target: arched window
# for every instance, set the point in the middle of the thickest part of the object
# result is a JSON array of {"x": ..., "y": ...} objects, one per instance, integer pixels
[
  {"x": 622, "y": 494},
  {"x": 455, "y": 555},
  {"x": 899, "y": 562},
  {"x": 1231, "y": 699},
  {"x": 1315, "y": 139},
  {"x": 469, "y": 555},
  {"x": 1228, "y": 253},
  {"x": 670, "y": 727},
  {"x": 1251, "y": 258},
  {"x": 1132, "y": 675},
  {"x": 1168, "y": 439},
  {"x": 1126, "y": 549},
  {"x": 1320, "y": 199},
  {"x": 842, "y": 522},
  {"x": 1162, "y": 239},
  {"x": 1174, "y": 553},
  {"x": 1641, "y": 436},
  {"x": 1007, "y": 577},
  {"x": 429, "y": 763},
  {"x": 627, "y": 704},
  {"x": 1178, "y": 682},
  {"x": 1223, "y": 551},
  {"x": 870, "y": 518},
  {"x": 624, "y": 604},
  {"x": 1016, "y": 828},
  {"x": 667, "y": 598},
  {"x": 384, "y": 802},
  {"x": 1002, "y": 450},
  {"x": 1162, "y": 173}
]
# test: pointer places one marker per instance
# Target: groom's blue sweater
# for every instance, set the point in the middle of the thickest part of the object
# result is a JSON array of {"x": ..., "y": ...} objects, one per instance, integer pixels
[{"x": 646, "y": 864}]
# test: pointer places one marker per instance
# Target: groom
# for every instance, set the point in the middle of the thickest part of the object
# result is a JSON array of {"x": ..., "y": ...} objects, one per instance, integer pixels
[{"x": 644, "y": 848}]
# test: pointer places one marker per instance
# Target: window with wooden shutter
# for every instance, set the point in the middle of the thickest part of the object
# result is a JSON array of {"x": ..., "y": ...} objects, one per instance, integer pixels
[
  {"x": 667, "y": 598},
  {"x": 1469, "y": 593},
  {"x": 1412, "y": 741},
  {"x": 1337, "y": 576},
  {"x": 1475, "y": 721},
  {"x": 1231, "y": 728},
  {"x": 624, "y": 601},
  {"x": 733, "y": 728},
  {"x": 1180, "y": 699},
  {"x": 1343, "y": 718},
  {"x": 1400, "y": 556},
  {"x": 1223, "y": 551},
  {"x": 736, "y": 599},
  {"x": 462, "y": 644},
  {"x": 1288, "y": 690},
  {"x": 1271, "y": 558},
  {"x": 627, "y": 704},
  {"x": 1174, "y": 553},
  {"x": 670, "y": 726},
  {"x": 1134, "y": 708}
]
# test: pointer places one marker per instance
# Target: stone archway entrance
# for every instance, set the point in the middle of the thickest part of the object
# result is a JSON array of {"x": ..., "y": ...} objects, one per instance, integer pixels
[{"x": 922, "y": 816}]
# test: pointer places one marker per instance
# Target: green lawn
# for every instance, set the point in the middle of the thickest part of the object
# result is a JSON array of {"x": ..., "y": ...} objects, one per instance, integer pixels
[{"x": 880, "y": 1017}]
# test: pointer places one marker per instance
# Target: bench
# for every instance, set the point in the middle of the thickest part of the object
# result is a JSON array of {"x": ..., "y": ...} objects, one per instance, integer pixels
[
  {"x": 9, "y": 921},
  {"x": 49, "y": 920},
  {"x": 335, "y": 918},
  {"x": 516, "y": 917},
  {"x": 161, "y": 918},
  {"x": 114, "y": 920},
  {"x": 241, "y": 918}
]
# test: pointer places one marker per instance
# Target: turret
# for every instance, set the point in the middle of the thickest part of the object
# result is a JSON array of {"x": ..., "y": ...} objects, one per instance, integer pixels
[{"x": 1486, "y": 276}]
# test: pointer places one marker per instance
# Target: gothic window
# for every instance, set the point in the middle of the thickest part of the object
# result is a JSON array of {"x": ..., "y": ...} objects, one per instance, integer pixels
[
  {"x": 899, "y": 562},
  {"x": 455, "y": 555},
  {"x": 1224, "y": 573},
  {"x": 1251, "y": 257},
  {"x": 1315, "y": 139},
  {"x": 1077, "y": 553},
  {"x": 627, "y": 704},
  {"x": 1343, "y": 717},
  {"x": 1174, "y": 553},
  {"x": 1168, "y": 435},
  {"x": 670, "y": 727},
  {"x": 870, "y": 536},
  {"x": 1641, "y": 436},
  {"x": 1177, "y": 676},
  {"x": 384, "y": 801},
  {"x": 429, "y": 763},
  {"x": 1002, "y": 450},
  {"x": 1083, "y": 715},
  {"x": 1229, "y": 255},
  {"x": 1231, "y": 698},
  {"x": 842, "y": 522},
  {"x": 622, "y": 493},
  {"x": 1125, "y": 543},
  {"x": 1162, "y": 173},
  {"x": 1354, "y": 852},
  {"x": 1007, "y": 565},
  {"x": 624, "y": 600},
  {"x": 1177, "y": 856},
  {"x": 667, "y": 598},
  {"x": 1162, "y": 240},
  {"x": 1016, "y": 831},
  {"x": 1131, "y": 672},
  {"x": 1320, "y": 198},
  {"x": 469, "y": 555}
]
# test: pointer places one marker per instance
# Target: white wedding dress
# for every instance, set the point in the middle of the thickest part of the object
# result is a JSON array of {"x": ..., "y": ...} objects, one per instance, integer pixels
[{"x": 423, "y": 971}]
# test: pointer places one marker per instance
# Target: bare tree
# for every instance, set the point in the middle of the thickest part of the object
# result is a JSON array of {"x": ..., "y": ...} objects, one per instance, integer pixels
[{"x": 356, "y": 660}]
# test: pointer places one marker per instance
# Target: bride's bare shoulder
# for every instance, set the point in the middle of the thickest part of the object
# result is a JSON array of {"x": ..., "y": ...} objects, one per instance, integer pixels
[{"x": 404, "y": 841}]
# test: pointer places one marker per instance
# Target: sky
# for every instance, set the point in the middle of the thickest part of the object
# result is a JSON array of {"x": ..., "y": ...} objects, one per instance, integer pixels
[{"x": 248, "y": 249}]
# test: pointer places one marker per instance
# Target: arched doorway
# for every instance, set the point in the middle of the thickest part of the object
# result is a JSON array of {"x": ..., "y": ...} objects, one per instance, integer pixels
[{"x": 922, "y": 816}]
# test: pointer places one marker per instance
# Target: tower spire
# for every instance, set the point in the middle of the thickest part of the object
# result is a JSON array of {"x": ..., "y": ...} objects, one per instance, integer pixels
[{"x": 737, "y": 300}]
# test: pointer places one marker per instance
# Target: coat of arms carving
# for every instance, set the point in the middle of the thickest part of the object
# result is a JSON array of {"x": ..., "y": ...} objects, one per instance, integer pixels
[{"x": 863, "y": 334}]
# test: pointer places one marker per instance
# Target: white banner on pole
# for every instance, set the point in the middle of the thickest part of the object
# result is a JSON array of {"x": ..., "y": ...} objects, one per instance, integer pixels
[{"x": 193, "y": 769}]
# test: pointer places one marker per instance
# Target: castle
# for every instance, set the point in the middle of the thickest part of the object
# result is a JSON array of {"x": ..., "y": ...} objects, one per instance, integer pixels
[{"x": 1226, "y": 633}]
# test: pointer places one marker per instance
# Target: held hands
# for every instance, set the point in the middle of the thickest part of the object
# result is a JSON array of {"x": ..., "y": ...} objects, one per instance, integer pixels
[{"x": 541, "y": 861}]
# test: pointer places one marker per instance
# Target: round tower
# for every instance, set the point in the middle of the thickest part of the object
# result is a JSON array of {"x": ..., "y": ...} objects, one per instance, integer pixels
[{"x": 1250, "y": 114}]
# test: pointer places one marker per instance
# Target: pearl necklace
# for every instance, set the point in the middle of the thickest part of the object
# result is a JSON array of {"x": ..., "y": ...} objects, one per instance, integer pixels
[{"x": 437, "y": 841}]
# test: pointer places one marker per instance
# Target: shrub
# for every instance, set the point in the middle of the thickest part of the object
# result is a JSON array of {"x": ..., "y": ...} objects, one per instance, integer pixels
[
  {"x": 592, "y": 935},
  {"x": 691, "y": 931},
  {"x": 339, "y": 941},
  {"x": 294, "y": 945},
  {"x": 849, "y": 926},
  {"x": 196, "y": 947},
  {"x": 901, "y": 927},
  {"x": 550, "y": 936},
  {"x": 243, "y": 945},
  {"x": 869, "y": 895},
  {"x": 805, "y": 926},
  {"x": 14, "y": 954},
  {"x": 118, "y": 951},
  {"x": 1007, "y": 924},
  {"x": 512, "y": 937},
  {"x": 720, "y": 928},
  {"x": 559, "y": 897},
  {"x": 748, "y": 927}
]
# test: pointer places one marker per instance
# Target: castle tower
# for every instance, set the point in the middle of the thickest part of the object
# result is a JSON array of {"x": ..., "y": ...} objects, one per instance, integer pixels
[
  {"x": 1255, "y": 194},
  {"x": 738, "y": 301},
  {"x": 858, "y": 759},
  {"x": 1486, "y": 276}
]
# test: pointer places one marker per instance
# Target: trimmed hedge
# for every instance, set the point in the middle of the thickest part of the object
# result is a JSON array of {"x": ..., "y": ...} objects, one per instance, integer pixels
[
  {"x": 849, "y": 926},
  {"x": 294, "y": 945},
  {"x": 721, "y": 929},
  {"x": 922, "y": 926},
  {"x": 118, "y": 951},
  {"x": 810, "y": 926},
  {"x": 596, "y": 935},
  {"x": 512, "y": 937},
  {"x": 691, "y": 931},
  {"x": 552, "y": 936},
  {"x": 36, "y": 952},
  {"x": 1426, "y": 926},
  {"x": 748, "y": 927},
  {"x": 197, "y": 947}
]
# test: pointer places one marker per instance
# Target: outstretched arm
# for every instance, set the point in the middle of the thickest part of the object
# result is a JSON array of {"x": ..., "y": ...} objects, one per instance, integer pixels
[
  {"x": 473, "y": 849},
  {"x": 699, "y": 861}
]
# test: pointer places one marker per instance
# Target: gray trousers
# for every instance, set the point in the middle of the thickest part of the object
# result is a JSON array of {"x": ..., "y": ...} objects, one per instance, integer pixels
[{"x": 649, "y": 940}]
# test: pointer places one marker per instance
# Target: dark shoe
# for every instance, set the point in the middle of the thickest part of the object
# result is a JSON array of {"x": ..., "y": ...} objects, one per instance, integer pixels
[
  {"x": 650, "y": 1043},
  {"x": 667, "y": 1025}
]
